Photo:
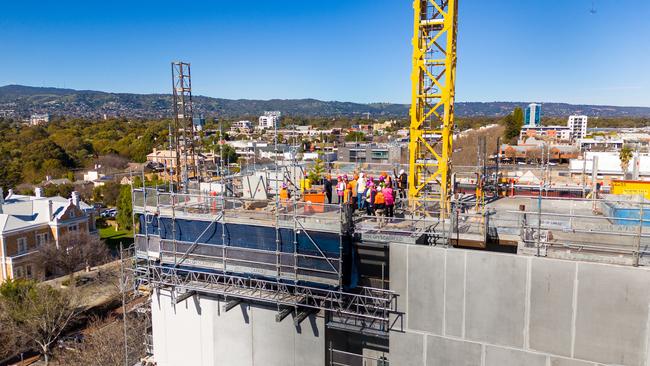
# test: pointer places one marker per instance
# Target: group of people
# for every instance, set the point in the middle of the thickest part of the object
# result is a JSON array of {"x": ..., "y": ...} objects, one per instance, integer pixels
[{"x": 365, "y": 193}]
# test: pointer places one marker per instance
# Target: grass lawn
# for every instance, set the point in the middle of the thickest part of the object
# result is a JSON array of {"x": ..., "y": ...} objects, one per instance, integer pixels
[{"x": 114, "y": 237}]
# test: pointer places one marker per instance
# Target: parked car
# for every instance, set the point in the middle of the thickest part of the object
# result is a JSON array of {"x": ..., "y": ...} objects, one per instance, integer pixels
[{"x": 109, "y": 213}]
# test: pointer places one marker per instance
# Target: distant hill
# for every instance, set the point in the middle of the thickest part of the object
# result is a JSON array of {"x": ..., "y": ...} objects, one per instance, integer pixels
[{"x": 25, "y": 100}]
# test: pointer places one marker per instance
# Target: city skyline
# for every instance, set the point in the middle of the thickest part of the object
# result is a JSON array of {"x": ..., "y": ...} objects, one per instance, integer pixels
[{"x": 348, "y": 51}]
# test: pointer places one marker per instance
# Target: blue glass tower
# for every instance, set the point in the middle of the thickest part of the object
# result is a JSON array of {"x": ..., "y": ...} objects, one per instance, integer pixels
[{"x": 533, "y": 115}]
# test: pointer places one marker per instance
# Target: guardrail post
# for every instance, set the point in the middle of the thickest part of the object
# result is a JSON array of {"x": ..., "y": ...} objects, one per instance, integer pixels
[{"x": 637, "y": 252}]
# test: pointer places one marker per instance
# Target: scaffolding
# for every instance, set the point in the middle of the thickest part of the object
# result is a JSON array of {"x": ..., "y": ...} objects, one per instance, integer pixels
[{"x": 308, "y": 278}]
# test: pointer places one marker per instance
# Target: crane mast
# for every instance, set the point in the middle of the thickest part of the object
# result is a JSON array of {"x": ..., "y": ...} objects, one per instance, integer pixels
[{"x": 432, "y": 105}]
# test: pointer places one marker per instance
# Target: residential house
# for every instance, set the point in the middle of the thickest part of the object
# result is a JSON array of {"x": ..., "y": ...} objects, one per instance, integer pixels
[{"x": 28, "y": 222}]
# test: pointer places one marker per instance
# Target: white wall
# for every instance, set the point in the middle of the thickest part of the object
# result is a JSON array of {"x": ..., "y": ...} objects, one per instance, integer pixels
[
  {"x": 198, "y": 332},
  {"x": 490, "y": 309}
]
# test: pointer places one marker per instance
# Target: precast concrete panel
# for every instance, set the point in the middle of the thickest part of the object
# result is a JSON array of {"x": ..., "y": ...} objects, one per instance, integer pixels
[
  {"x": 495, "y": 298},
  {"x": 310, "y": 341},
  {"x": 426, "y": 288},
  {"x": 273, "y": 342},
  {"x": 444, "y": 352},
  {"x": 498, "y": 356},
  {"x": 206, "y": 308},
  {"x": 454, "y": 292},
  {"x": 551, "y": 305},
  {"x": 233, "y": 341},
  {"x": 406, "y": 349},
  {"x": 158, "y": 329},
  {"x": 183, "y": 330},
  {"x": 612, "y": 314},
  {"x": 399, "y": 276}
]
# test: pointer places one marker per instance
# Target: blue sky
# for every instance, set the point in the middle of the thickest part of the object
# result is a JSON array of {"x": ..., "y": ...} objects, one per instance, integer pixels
[{"x": 349, "y": 50}]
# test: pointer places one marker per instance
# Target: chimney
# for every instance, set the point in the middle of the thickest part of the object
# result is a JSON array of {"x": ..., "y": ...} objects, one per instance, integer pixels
[
  {"x": 2, "y": 195},
  {"x": 50, "y": 209},
  {"x": 10, "y": 193},
  {"x": 75, "y": 199},
  {"x": 38, "y": 191}
]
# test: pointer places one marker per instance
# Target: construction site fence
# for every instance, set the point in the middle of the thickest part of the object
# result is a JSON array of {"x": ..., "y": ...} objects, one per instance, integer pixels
[
  {"x": 207, "y": 206},
  {"x": 610, "y": 225},
  {"x": 576, "y": 224},
  {"x": 287, "y": 266}
]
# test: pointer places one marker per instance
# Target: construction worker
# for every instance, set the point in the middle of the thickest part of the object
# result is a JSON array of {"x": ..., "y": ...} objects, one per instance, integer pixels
[
  {"x": 402, "y": 183},
  {"x": 327, "y": 188},
  {"x": 340, "y": 188},
  {"x": 346, "y": 191},
  {"x": 361, "y": 191},
  {"x": 285, "y": 195},
  {"x": 353, "y": 191},
  {"x": 379, "y": 204},
  {"x": 389, "y": 197},
  {"x": 370, "y": 197}
]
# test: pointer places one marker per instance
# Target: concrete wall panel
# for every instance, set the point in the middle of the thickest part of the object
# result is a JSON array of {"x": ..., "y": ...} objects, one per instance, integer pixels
[
  {"x": 551, "y": 305},
  {"x": 425, "y": 288},
  {"x": 398, "y": 275},
  {"x": 520, "y": 310},
  {"x": 454, "y": 292},
  {"x": 406, "y": 349},
  {"x": 273, "y": 342},
  {"x": 495, "y": 298},
  {"x": 233, "y": 341},
  {"x": 182, "y": 328},
  {"x": 497, "y": 356},
  {"x": 310, "y": 341},
  {"x": 612, "y": 314},
  {"x": 444, "y": 351}
]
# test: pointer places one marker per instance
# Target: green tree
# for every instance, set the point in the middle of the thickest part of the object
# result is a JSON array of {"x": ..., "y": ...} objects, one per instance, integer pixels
[
  {"x": 518, "y": 115},
  {"x": 110, "y": 193},
  {"x": 63, "y": 190},
  {"x": 353, "y": 136},
  {"x": 229, "y": 154},
  {"x": 124, "y": 208},
  {"x": 625, "y": 155},
  {"x": 316, "y": 172},
  {"x": 513, "y": 124}
]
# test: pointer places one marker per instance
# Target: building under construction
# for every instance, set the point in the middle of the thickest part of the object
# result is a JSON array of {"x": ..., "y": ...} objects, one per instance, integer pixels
[{"x": 241, "y": 276}]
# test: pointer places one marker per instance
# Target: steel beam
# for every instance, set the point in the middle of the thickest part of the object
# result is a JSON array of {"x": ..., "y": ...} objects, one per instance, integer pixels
[
  {"x": 185, "y": 296},
  {"x": 302, "y": 314},
  {"x": 283, "y": 313},
  {"x": 231, "y": 304}
]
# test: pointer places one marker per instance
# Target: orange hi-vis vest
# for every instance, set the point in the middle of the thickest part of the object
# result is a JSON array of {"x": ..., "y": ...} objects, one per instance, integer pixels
[{"x": 379, "y": 198}]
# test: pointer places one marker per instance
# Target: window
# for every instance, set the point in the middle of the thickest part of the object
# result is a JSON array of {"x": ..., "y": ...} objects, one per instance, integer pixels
[
  {"x": 380, "y": 154},
  {"x": 28, "y": 271},
  {"x": 22, "y": 245},
  {"x": 18, "y": 272},
  {"x": 41, "y": 239},
  {"x": 74, "y": 227},
  {"x": 72, "y": 214}
]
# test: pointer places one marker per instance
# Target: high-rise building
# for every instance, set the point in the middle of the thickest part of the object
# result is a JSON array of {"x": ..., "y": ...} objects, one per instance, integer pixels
[
  {"x": 578, "y": 126},
  {"x": 269, "y": 120},
  {"x": 533, "y": 115},
  {"x": 198, "y": 123}
]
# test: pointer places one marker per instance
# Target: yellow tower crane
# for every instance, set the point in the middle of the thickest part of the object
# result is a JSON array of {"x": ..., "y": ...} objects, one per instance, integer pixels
[{"x": 432, "y": 106}]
